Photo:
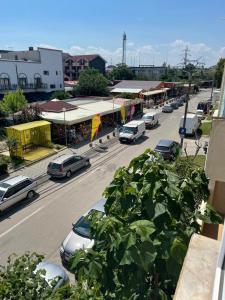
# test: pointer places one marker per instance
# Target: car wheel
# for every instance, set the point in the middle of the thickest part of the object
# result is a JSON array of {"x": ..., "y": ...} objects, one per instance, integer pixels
[
  {"x": 68, "y": 174},
  {"x": 30, "y": 195},
  {"x": 134, "y": 141},
  {"x": 87, "y": 163}
]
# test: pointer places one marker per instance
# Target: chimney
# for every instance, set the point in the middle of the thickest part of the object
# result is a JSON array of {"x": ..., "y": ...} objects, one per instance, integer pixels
[{"x": 31, "y": 48}]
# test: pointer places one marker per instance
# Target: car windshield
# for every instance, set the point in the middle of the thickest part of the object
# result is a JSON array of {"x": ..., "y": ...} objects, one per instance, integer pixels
[
  {"x": 147, "y": 117},
  {"x": 54, "y": 166},
  {"x": 162, "y": 148},
  {"x": 82, "y": 227},
  {"x": 127, "y": 129},
  {"x": 2, "y": 192}
]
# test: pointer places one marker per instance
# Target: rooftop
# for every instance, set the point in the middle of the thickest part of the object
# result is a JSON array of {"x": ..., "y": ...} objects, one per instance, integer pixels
[
  {"x": 138, "y": 84},
  {"x": 56, "y": 105}
]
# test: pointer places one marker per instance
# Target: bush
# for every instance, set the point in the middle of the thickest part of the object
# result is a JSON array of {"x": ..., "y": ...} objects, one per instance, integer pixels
[{"x": 60, "y": 95}]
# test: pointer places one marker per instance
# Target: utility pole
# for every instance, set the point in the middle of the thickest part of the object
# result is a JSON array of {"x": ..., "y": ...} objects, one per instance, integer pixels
[
  {"x": 186, "y": 105},
  {"x": 186, "y": 62}
]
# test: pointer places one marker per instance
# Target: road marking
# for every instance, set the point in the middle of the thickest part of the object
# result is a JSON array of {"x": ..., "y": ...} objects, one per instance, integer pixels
[{"x": 21, "y": 222}]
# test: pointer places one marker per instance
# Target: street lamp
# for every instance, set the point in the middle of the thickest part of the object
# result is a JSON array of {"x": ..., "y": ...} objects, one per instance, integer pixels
[{"x": 64, "y": 111}]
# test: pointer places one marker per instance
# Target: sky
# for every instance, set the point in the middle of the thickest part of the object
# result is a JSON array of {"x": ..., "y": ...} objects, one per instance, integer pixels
[{"x": 157, "y": 30}]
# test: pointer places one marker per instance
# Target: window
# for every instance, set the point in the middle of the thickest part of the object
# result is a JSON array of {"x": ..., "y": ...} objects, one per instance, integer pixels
[
  {"x": 37, "y": 80},
  {"x": 9, "y": 193},
  {"x": 46, "y": 72},
  {"x": 4, "y": 81},
  {"x": 22, "y": 80},
  {"x": 52, "y": 86},
  {"x": 68, "y": 162},
  {"x": 56, "y": 72},
  {"x": 60, "y": 85}
]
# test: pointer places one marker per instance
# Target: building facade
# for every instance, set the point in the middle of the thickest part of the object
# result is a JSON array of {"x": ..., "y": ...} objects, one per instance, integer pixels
[
  {"x": 34, "y": 71},
  {"x": 148, "y": 72},
  {"x": 74, "y": 65}
]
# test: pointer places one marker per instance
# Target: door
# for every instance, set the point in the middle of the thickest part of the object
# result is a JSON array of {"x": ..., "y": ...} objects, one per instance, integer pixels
[
  {"x": 80, "y": 162},
  {"x": 9, "y": 198}
]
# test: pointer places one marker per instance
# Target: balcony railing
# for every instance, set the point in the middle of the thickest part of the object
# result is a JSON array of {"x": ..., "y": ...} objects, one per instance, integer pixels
[{"x": 28, "y": 86}]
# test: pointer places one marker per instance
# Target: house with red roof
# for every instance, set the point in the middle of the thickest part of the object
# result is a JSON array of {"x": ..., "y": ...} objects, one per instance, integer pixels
[{"x": 74, "y": 64}]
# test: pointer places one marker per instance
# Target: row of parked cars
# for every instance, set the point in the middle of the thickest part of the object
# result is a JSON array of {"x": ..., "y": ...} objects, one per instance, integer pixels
[{"x": 174, "y": 104}]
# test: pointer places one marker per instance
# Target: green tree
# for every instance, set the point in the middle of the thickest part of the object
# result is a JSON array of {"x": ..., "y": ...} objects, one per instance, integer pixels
[
  {"x": 219, "y": 72},
  {"x": 13, "y": 103},
  {"x": 60, "y": 95},
  {"x": 140, "y": 245},
  {"x": 121, "y": 72},
  {"x": 92, "y": 83},
  {"x": 18, "y": 280}
]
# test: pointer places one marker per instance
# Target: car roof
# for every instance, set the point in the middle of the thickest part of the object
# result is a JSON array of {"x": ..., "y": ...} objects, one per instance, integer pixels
[
  {"x": 99, "y": 205},
  {"x": 134, "y": 123},
  {"x": 165, "y": 143},
  {"x": 60, "y": 159},
  {"x": 15, "y": 180},
  {"x": 167, "y": 105},
  {"x": 151, "y": 113},
  {"x": 52, "y": 270}
]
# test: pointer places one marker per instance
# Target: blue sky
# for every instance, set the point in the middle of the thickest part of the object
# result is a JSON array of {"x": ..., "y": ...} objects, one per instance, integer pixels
[{"x": 157, "y": 30}]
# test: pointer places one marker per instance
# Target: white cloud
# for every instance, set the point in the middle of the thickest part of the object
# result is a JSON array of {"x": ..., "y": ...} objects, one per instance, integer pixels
[{"x": 172, "y": 52}]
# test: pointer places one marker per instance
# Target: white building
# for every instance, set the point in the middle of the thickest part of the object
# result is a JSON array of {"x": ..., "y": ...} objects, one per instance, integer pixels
[{"x": 38, "y": 70}]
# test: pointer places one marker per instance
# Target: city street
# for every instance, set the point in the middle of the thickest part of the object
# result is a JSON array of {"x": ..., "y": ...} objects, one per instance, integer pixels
[{"x": 43, "y": 224}]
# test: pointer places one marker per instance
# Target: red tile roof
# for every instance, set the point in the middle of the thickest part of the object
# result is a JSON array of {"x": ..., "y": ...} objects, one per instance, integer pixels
[{"x": 56, "y": 106}]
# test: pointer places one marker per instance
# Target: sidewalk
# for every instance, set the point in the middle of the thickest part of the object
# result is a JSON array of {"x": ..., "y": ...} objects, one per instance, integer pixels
[
  {"x": 191, "y": 146},
  {"x": 39, "y": 168}
]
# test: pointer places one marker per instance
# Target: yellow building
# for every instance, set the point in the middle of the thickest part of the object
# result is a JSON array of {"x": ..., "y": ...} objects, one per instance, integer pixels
[{"x": 31, "y": 140}]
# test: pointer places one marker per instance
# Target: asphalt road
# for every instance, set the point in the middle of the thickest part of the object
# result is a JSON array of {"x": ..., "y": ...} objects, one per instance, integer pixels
[{"x": 41, "y": 225}]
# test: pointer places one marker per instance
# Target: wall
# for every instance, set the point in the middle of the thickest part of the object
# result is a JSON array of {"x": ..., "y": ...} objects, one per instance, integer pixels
[
  {"x": 50, "y": 60},
  {"x": 99, "y": 64}
]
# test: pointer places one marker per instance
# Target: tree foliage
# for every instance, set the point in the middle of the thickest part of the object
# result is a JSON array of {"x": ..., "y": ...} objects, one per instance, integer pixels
[
  {"x": 29, "y": 114},
  {"x": 13, "y": 102},
  {"x": 92, "y": 83},
  {"x": 121, "y": 72},
  {"x": 60, "y": 95},
  {"x": 152, "y": 209},
  {"x": 140, "y": 245},
  {"x": 127, "y": 95},
  {"x": 19, "y": 281},
  {"x": 219, "y": 72}
]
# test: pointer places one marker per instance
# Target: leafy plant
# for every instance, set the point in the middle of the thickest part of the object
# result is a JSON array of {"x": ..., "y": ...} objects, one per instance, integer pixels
[
  {"x": 13, "y": 103},
  {"x": 140, "y": 245},
  {"x": 60, "y": 95}
]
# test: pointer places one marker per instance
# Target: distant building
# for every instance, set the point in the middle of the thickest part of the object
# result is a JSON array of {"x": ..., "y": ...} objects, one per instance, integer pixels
[
  {"x": 34, "y": 71},
  {"x": 149, "y": 72},
  {"x": 73, "y": 65}
]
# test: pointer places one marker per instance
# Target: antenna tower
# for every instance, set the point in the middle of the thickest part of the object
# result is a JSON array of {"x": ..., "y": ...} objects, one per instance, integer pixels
[{"x": 124, "y": 48}]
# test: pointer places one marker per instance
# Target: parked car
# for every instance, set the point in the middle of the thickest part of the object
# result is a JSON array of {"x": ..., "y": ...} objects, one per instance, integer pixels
[
  {"x": 180, "y": 102},
  {"x": 200, "y": 114},
  {"x": 192, "y": 123},
  {"x": 65, "y": 165},
  {"x": 174, "y": 105},
  {"x": 167, "y": 108},
  {"x": 16, "y": 189},
  {"x": 169, "y": 149},
  {"x": 53, "y": 273},
  {"x": 205, "y": 106},
  {"x": 79, "y": 236},
  {"x": 131, "y": 131},
  {"x": 151, "y": 119}
]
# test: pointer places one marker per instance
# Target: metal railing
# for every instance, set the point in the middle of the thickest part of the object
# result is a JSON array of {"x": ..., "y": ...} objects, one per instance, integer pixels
[{"x": 28, "y": 86}]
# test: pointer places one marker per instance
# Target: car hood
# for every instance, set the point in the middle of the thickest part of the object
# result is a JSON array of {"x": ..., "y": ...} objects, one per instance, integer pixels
[
  {"x": 161, "y": 151},
  {"x": 75, "y": 242},
  {"x": 126, "y": 135}
]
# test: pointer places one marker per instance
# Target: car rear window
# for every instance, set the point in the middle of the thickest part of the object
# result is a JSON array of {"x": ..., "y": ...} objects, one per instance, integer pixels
[
  {"x": 54, "y": 166},
  {"x": 4, "y": 185},
  {"x": 2, "y": 192}
]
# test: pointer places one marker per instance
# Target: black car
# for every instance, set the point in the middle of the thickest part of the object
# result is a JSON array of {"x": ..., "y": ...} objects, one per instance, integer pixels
[{"x": 168, "y": 149}]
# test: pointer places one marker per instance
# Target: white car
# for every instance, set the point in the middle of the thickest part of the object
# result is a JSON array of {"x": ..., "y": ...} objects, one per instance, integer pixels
[
  {"x": 16, "y": 189},
  {"x": 151, "y": 119},
  {"x": 200, "y": 114},
  {"x": 132, "y": 131},
  {"x": 79, "y": 236}
]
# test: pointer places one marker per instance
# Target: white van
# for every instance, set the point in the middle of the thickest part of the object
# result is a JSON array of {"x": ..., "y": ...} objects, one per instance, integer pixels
[
  {"x": 151, "y": 119},
  {"x": 132, "y": 131},
  {"x": 192, "y": 123}
]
